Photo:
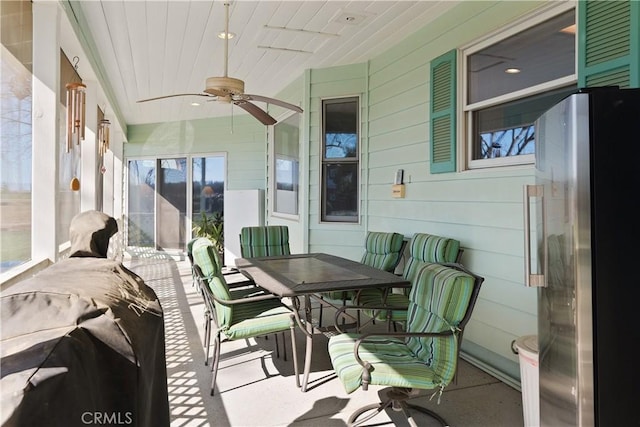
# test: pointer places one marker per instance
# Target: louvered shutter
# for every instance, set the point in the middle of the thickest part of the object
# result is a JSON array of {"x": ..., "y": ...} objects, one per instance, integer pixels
[
  {"x": 609, "y": 44},
  {"x": 443, "y": 113}
]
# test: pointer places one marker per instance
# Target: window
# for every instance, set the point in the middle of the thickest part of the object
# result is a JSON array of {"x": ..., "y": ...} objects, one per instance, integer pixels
[
  {"x": 340, "y": 165},
  {"x": 510, "y": 82},
  {"x": 15, "y": 136},
  {"x": 286, "y": 160}
]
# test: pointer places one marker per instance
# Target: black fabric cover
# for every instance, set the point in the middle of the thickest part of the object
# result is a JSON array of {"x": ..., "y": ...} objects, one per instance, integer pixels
[{"x": 83, "y": 344}]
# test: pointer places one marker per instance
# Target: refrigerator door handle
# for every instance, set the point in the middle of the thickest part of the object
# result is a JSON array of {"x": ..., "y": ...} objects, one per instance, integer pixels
[{"x": 531, "y": 191}]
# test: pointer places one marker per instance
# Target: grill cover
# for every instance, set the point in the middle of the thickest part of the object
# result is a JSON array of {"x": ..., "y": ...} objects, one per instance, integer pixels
[{"x": 82, "y": 343}]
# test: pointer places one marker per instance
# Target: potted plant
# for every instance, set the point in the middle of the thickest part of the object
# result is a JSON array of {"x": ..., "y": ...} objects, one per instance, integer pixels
[{"x": 211, "y": 227}]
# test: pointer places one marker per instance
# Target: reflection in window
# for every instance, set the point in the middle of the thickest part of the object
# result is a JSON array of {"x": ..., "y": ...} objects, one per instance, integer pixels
[
  {"x": 171, "y": 203},
  {"x": 15, "y": 137},
  {"x": 341, "y": 145},
  {"x": 340, "y": 165},
  {"x": 208, "y": 187},
  {"x": 511, "y": 82},
  {"x": 286, "y": 167},
  {"x": 141, "y": 203},
  {"x": 508, "y": 129}
]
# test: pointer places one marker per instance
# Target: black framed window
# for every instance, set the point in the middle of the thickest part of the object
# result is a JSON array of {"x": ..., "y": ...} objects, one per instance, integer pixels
[{"x": 340, "y": 159}]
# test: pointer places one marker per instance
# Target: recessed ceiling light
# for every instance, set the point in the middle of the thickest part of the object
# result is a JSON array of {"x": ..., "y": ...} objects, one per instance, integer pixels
[
  {"x": 512, "y": 70},
  {"x": 222, "y": 35},
  {"x": 195, "y": 104}
]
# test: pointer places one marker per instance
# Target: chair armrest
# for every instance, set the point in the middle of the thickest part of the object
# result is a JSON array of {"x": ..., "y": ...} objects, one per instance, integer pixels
[
  {"x": 362, "y": 307},
  {"x": 244, "y": 300}
]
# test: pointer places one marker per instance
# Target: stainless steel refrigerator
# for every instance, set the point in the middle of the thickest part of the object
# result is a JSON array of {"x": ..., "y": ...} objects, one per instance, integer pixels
[{"x": 582, "y": 239}]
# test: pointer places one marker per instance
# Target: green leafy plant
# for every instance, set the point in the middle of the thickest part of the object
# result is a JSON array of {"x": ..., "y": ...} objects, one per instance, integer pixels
[{"x": 211, "y": 227}]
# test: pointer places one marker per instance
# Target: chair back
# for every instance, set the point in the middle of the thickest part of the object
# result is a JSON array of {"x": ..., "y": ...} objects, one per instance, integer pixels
[
  {"x": 190, "y": 249},
  {"x": 209, "y": 268},
  {"x": 268, "y": 240},
  {"x": 383, "y": 250},
  {"x": 429, "y": 248},
  {"x": 441, "y": 299}
]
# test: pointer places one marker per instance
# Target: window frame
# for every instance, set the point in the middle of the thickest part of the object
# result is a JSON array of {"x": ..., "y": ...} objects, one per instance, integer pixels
[
  {"x": 324, "y": 161},
  {"x": 465, "y": 114},
  {"x": 272, "y": 169}
]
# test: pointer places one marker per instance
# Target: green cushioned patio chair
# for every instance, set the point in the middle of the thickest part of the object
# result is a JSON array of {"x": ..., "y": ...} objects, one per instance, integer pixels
[
  {"x": 382, "y": 250},
  {"x": 425, "y": 357},
  {"x": 423, "y": 248},
  {"x": 190, "y": 258},
  {"x": 268, "y": 240},
  {"x": 240, "y": 313}
]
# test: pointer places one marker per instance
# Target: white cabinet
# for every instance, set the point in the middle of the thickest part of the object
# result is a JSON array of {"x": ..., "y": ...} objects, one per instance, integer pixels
[{"x": 242, "y": 208}]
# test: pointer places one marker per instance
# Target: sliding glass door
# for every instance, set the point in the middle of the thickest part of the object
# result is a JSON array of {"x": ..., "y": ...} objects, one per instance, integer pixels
[
  {"x": 171, "y": 204},
  {"x": 141, "y": 203},
  {"x": 167, "y": 196}
]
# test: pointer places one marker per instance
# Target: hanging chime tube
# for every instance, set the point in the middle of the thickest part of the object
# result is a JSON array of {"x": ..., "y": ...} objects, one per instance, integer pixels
[
  {"x": 103, "y": 136},
  {"x": 76, "y": 99}
]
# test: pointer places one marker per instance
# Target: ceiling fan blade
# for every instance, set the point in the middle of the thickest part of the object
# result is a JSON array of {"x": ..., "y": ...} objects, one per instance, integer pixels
[
  {"x": 256, "y": 112},
  {"x": 177, "y": 94},
  {"x": 273, "y": 101}
]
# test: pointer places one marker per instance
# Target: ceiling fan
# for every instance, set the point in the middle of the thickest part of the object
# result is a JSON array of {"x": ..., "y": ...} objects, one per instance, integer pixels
[{"x": 230, "y": 90}]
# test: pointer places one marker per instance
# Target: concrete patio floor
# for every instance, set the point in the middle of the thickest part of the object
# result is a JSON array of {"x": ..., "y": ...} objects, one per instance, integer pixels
[{"x": 257, "y": 389}]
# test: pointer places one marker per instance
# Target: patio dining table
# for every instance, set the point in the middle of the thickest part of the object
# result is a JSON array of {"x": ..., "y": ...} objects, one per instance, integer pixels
[{"x": 306, "y": 275}]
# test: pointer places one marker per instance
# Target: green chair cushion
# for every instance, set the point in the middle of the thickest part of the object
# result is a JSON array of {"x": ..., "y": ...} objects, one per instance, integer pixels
[
  {"x": 438, "y": 302},
  {"x": 423, "y": 248},
  {"x": 271, "y": 240},
  {"x": 242, "y": 320},
  {"x": 429, "y": 248},
  {"x": 382, "y": 250},
  {"x": 258, "y": 318},
  {"x": 374, "y": 297},
  {"x": 338, "y": 297},
  {"x": 393, "y": 363}
]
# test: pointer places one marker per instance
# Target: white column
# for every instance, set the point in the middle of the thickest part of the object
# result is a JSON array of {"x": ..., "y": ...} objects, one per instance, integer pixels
[
  {"x": 89, "y": 150},
  {"x": 117, "y": 147},
  {"x": 45, "y": 131},
  {"x": 108, "y": 182}
]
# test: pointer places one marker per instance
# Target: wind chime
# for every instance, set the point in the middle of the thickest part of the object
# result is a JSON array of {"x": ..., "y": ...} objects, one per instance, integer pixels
[
  {"x": 76, "y": 100},
  {"x": 103, "y": 140}
]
